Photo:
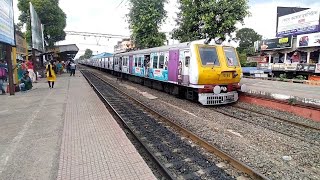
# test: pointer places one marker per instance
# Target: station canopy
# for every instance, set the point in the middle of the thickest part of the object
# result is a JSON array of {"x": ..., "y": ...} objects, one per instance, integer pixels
[{"x": 64, "y": 52}]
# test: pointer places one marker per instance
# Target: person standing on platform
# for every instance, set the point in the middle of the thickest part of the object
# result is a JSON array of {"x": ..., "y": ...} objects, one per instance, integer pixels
[
  {"x": 32, "y": 75},
  {"x": 68, "y": 66},
  {"x": 3, "y": 76},
  {"x": 73, "y": 67},
  {"x": 51, "y": 75}
]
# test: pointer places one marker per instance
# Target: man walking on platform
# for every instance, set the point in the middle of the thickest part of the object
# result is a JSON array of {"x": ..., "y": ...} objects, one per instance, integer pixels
[{"x": 73, "y": 67}]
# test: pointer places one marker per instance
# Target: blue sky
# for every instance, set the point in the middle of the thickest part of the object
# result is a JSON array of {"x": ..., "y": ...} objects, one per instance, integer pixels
[{"x": 106, "y": 16}]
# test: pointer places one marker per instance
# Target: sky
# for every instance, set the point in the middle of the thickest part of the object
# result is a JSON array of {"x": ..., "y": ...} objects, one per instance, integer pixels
[{"x": 109, "y": 16}]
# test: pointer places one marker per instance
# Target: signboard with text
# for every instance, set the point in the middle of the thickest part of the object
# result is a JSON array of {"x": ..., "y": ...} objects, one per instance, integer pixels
[
  {"x": 306, "y": 21},
  {"x": 6, "y": 22},
  {"x": 278, "y": 43},
  {"x": 308, "y": 40}
]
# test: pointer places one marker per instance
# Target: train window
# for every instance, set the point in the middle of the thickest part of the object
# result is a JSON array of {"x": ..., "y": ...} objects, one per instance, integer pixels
[
  {"x": 231, "y": 56},
  {"x": 187, "y": 61},
  {"x": 139, "y": 62},
  {"x": 161, "y": 62},
  {"x": 124, "y": 61},
  {"x": 135, "y": 61},
  {"x": 155, "y": 62},
  {"x": 209, "y": 56}
]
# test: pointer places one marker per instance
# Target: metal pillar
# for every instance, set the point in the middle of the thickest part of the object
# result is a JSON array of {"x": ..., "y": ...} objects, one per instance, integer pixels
[
  {"x": 10, "y": 70},
  {"x": 269, "y": 58},
  {"x": 308, "y": 57},
  {"x": 285, "y": 58}
]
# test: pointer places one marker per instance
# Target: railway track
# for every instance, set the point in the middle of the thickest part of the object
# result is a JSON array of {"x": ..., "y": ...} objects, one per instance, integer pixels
[
  {"x": 280, "y": 119},
  {"x": 178, "y": 159},
  {"x": 280, "y": 125}
]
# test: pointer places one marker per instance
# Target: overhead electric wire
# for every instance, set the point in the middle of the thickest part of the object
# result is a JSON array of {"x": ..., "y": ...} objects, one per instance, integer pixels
[{"x": 119, "y": 4}]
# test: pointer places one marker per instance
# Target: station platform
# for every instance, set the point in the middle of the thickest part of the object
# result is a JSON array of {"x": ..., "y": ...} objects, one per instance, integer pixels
[
  {"x": 283, "y": 89},
  {"x": 64, "y": 133}
]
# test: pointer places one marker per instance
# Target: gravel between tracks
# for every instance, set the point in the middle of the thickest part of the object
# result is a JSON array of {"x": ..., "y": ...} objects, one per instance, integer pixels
[{"x": 260, "y": 148}]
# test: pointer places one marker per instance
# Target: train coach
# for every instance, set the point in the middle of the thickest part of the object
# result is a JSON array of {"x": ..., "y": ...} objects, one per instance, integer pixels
[{"x": 208, "y": 73}]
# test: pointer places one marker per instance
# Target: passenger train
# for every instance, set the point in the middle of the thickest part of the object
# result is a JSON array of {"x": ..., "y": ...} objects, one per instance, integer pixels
[{"x": 208, "y": 73}]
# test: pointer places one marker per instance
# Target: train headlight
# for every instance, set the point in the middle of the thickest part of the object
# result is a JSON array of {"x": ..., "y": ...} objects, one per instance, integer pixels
[{"x": 217, "y": 90}]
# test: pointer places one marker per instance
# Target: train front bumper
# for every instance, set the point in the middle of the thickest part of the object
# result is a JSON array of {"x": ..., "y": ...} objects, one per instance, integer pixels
[{"x": 218, "y": 99}]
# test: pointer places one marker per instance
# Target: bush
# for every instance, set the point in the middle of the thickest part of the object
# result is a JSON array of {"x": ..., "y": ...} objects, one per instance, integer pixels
[
  {"x": 301, "y": 77},
  {"x": 283, "y": 77}
]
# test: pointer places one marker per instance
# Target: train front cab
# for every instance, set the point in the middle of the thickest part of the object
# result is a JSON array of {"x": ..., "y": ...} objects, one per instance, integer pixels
[{"x": 216, "y": 71}]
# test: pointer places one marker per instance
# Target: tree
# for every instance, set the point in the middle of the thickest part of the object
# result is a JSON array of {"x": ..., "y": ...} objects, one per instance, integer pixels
[
  {"x": 51, "y": 15},
  {"x": 209, "y": 18},
  {"x": 87, "y": 54},
  {"x": 145, "y": 18},
  {"x": 247, "y": 37},
  {"x": 188, "y": 22}
]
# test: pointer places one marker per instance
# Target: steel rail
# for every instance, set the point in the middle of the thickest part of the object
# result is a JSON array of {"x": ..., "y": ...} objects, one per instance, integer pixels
[
  {"x": 201, "y": 142},
  {"x": 279, "y": 118}
]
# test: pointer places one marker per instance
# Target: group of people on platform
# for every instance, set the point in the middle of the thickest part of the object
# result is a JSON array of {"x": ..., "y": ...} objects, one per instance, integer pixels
[
  {"x": 26, "y": 75},
  {"x": 53, "y": 68}
]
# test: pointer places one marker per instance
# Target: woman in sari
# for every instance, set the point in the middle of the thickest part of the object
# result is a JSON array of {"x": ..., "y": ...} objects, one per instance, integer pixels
[{"x": 51, "y": 75}]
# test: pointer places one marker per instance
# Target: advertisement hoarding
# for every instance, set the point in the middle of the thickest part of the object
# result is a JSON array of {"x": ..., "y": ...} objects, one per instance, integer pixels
[
  {"x": 282, "y": 11},
  {"x": 277, "y": 43},
  {"x": 306, "y": 21},
  {"x": 308, "y": 40},
  {"x": 36, "y": 28},
  {"x": 6, "y": 22},
  {"x": 21, "y": 44}
]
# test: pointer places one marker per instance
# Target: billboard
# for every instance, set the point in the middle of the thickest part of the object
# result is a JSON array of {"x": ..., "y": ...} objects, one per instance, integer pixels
[
  {"x": 36, "y": 30},
  {"x": 6, "y": 22},
  {"x": 277, "y": 43},
  {"x": 308, "y": 40},
  {"x": 21, "y": 44},
  {"x": 306, "y": 21},
  {"x": 282, "y": 11}
]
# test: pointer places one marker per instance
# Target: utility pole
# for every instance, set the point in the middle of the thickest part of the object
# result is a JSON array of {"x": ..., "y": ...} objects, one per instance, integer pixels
[{"x": 10, "y": 69}]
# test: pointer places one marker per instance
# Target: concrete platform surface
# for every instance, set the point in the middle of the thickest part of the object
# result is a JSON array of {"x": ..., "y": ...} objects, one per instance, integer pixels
[
  {"x": 64, "y": 133},
  {"x": 283, "y": 88}
]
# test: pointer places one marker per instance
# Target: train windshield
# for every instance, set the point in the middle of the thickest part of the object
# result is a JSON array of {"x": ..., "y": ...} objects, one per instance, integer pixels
[
  {"x": 209, "y": 56},
  {"x": 231, "y": 56}
]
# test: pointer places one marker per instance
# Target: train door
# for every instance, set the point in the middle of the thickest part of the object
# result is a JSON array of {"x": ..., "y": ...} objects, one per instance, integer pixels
[
  {"x": 185, "y": 69},
  {"x": 173, "y": 65},
  {"x": 120, "y": 64},
  {"x": 130, "y": 64}
]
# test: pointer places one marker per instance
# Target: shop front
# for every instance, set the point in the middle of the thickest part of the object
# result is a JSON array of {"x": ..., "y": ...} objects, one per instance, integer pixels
[{"x": 293, "y": 56}]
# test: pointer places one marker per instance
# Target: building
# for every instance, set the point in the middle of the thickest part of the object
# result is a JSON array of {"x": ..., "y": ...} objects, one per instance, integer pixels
[
  {"x": 296, "y": 50},
  {"x": 124, "y": 46}
]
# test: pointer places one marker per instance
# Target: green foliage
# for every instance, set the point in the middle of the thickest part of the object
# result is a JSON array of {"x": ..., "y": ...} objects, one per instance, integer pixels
[
  {"x": 145, "y": 18},
  {"x": 211, "y": 19},
  {"x": 51, "y": 15},
  {"x": 87, "y": 54},
  {"x": 247, "y": 37},
  {"x": 292, "y": 101},
  {"x": 189, "y": 21},
  {"x": 301, "y": 77},
  {"x": 244, "y": 62},
  {"x": 283, "y": 77}
]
